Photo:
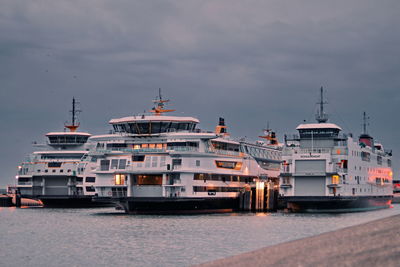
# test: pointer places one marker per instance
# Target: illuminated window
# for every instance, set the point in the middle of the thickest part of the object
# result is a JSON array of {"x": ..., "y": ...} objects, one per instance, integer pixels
[
  {"x": 145, "y": 145},
  {"x": 119, "y": 179},
  {"x": 152, "y": 145},
  {"x": 136, "y": 146},
  {"x": 159, "y": 146},
  {"x": 150, "y": 179},
  {"x": 335, "y": 179}
]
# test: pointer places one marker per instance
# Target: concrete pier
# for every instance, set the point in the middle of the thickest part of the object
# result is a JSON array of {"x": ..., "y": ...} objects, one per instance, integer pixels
[{"x": 376, "y": 243}]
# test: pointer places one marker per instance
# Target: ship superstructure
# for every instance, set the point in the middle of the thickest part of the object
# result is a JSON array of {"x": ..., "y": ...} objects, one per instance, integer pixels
[
  {"x": 164, "y": 163},
  {"x": 53, "y": 172},
  {"x": 326, "y": 171}
]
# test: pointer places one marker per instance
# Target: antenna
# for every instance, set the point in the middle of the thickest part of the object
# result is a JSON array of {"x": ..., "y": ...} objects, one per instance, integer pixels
[
  {"x": 365, "y": 122},
  {"x": 159, "y": 105},
  {"x": 321, "y": 117},
  {"x": 72, "y": 127}
]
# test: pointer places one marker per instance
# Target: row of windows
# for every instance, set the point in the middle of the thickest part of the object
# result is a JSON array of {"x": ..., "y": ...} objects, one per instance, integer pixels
[
  {"x": 223, "y": 178},
  {"x": 154, "y": 127},
  {"x": 215, "y": 189},
  {"x": 260, "y": 152},
  {"x": 225, "y": 146},
  {"x": 76, "y": 156},
  {"x": 67, "y": 139},
  {"x": 115, "y": 164},
  {"x": 164, "y": 146},
  {"x": 366, "y": 156},
  {"x": 60, "y": 170}
]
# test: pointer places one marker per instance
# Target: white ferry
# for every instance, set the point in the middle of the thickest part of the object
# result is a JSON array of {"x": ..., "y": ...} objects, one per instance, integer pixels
[
  {"x": 155, "y": 163},
  {"x": 326, "y": 171},
  {"x": 53, "y": 173}
]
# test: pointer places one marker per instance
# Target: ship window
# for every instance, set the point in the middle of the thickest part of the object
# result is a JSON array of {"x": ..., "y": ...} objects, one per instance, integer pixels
[
  {"x": 114, "y": 164},
  {"x": 228, "y": 164},
  {"x": 104, "y": 164},
  {"x": 147, "y": 162},
  {"x": 24, "y": 180},
  {"x": 122, "y": 164},
  {"x": 54, "y": 170},
  {"x": 120, "y": 179},
  {"x": 116, "y": 146},
  {"x": 155, "y": 127},
  {"x": 164, "y": 127},
  {"x": 138, "y": 158},
  {"x": 173, "y": 127},
  {"x": 177, "y": 162},
  {"x": 197, "y": 163},
  {"x": 162, "y": 161},
  {"x": 61, "y": 170},
  {"x": 143, "y": 127},
  {"x": 183, "y": 126},
  {"x": 54, "y": 164},
  {"x": 149, "y": 179},
  {"x": 154, "y": 162},
  {"x": 365, "y": 156},
  {"x": 79, "y": 179},
  {"x": 90, "y": 179},
  {"x": 389, "y": 163},
  {"x": 90, "y": 189}
]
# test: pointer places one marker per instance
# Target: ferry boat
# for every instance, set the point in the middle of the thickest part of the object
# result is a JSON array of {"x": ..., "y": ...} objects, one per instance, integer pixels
[
  {"x": 326, "y": 171},
  {"x": 157, "y": 163},
  {"x": 53, "y": 173}
]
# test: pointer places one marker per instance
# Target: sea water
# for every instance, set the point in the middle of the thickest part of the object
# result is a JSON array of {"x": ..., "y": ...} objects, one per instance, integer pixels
[{"x": 106, "y": 237}]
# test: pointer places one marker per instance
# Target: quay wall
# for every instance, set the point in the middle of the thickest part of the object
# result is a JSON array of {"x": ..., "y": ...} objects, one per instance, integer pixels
[{"x": 375, "y": 243}]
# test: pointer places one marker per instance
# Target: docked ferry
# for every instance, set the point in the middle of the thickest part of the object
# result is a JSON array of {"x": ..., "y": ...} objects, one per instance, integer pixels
[
  {"x": 158, "y": 163},
  {"x": 53, "y": 173},
  {"x": 324, "y": 170}
]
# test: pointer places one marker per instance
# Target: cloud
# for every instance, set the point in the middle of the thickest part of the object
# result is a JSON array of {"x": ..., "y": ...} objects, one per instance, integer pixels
[{"x": 252, "y": 62}]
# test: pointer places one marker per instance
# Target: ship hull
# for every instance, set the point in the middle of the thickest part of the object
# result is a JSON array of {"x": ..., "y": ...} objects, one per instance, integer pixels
[
  {"x": 178, "y": 205},
  {"x": 71, "y": 202},
  {"x": 338, "y": 204}
]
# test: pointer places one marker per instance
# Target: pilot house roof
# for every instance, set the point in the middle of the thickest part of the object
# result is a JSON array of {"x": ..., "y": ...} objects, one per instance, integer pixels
[
  {"x": 153, "y": 118},
  {"x": 310, "y": 126}
]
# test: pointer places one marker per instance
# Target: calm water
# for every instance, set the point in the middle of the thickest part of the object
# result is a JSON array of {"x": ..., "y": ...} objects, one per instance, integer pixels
[{"x": 105, "y": 237}]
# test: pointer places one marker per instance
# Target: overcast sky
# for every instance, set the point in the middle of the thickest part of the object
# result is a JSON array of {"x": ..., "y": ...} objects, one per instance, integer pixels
[{"x": 248, "y": 61}]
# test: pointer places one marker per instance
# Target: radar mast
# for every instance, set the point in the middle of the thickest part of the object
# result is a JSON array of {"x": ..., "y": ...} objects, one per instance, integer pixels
[
  {"x": 321, "y": 117},
  {"x": 74, "y": 125},
  {"x": 159, "y": 105}
]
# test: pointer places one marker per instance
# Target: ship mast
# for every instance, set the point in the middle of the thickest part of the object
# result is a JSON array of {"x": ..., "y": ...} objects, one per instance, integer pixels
[
  {"x": 365, "y": 123},
  {"x": 72, "y": 127},
  {"x": 159, "y": 105},
  {"x": 321, "y": 117}
]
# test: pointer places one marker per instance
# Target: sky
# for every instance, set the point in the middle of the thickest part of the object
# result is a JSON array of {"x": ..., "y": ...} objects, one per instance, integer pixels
[{"x": 251, "y": 62}]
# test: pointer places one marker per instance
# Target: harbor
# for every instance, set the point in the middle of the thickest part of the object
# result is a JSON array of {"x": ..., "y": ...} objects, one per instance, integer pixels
[
  {"x": 104, "y": 237},
  {"x": 199, "y": 133}
]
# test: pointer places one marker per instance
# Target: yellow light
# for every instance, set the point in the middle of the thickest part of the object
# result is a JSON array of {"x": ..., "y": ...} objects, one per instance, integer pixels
[
  {"x": 335, "y": 179},
  {"x": 260, "y": 185}
]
